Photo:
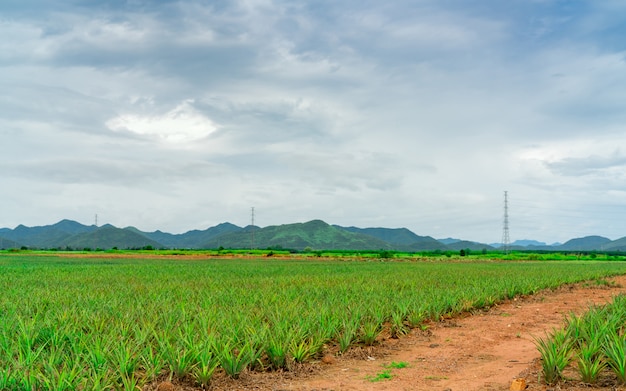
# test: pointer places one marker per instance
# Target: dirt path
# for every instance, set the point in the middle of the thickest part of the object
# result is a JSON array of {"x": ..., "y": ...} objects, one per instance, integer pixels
[{"x": 484, "y": 351}]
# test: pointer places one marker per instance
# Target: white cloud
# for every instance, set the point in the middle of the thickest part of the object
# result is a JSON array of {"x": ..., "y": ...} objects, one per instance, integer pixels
[{"x": 182, "y": 124}]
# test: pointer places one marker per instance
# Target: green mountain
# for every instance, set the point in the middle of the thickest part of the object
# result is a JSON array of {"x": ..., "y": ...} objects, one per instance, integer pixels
[
  {"x": 315, "y": 234},
  {"x": 526, "y": 243},
  {"x": 45, "y": 236},
  {"x": 72, "y": 227},
  {"x": 190, "y": 239},
  {"x": 616, "y": 245},
  {"x": 465, "y": 244},
  {"x": 447, "y": 241},
  {"x": 588, "y": 243},
  {"x": 400, "y": 238},
  {"x": 8, "y": 243},
  {"x": 107, "y": 237}
]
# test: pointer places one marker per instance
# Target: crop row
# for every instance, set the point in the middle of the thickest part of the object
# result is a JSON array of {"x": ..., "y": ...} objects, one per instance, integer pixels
[
  {"x": 594, "y": 344},
  {"x": 118, "y": 324}
]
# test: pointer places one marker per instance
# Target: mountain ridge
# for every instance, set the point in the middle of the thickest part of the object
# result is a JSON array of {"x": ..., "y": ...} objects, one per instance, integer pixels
[{"x": 314, "y": 235}]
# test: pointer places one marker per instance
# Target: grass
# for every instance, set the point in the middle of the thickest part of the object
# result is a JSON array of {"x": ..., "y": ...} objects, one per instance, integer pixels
[
  {"x": 398, "y": 365},
  {"x": 74, "y": 322},
  {"x": 384, "y": 375}
]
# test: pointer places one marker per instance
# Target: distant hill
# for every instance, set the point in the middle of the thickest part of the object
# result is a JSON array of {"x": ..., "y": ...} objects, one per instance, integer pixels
[
  {"x": 399, "y": 238},
  {"x": 616, "y": 245},
  {"x": 526, "y": 242},
  {"x": 8, "y": 243},
  {"x": 449, "y": 240},
  {"x": 315, "y": 234},
  {"x": 190, "y": 239},
  {"x": 67, "y": 233},
  {"x": 465, "y": 244},
  {"x": 107, "y": 237},
  {"x": 72, "y": 227},
  {"x": 45, "y": 236},
  {"x": 588, "y": 243}
]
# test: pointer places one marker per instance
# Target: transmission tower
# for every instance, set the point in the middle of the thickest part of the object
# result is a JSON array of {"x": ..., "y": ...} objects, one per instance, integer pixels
[
  {"x": 252, "y": 229},
  {"x": 95, "y": 234},
  {"x": 506, "y": 240}
]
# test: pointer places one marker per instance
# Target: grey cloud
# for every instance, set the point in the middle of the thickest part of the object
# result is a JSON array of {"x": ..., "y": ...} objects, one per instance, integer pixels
[
  {"x": 61, "y": 106},
  {"x": 239, "y": 43},
  {"x": 130, "y": 173},
  {"x": 118, "y": 40},
  {"x": 353, "y": 171},
  {"x": 588, "y": 165},
  {"x": 270, "y": 121},
  {"x": 205, "y": 64},
  {"x": 327, "y": 172}
]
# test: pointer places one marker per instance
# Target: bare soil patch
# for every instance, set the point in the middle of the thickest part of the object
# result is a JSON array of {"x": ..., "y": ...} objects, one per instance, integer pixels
[{"x": 484, "y": 350}]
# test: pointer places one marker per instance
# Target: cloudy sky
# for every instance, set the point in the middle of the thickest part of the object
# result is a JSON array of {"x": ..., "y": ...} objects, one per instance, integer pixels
[{"x": 180, "y": 115}]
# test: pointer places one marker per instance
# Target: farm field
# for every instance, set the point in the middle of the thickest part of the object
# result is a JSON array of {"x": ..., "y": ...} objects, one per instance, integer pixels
[
  {"x": 485, "y": 350},
  {"x": 95, "y": 323}
]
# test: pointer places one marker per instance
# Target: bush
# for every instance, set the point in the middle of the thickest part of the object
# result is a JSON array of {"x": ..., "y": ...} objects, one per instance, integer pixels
[{"x": 385, "y": 254}]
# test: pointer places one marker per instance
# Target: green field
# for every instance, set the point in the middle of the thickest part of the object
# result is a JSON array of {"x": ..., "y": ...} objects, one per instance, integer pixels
[{"x": 90, "y": 323}]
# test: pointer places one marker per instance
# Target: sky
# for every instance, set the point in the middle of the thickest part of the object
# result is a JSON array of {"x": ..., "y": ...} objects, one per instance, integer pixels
[{"x": 180, "y": 115}]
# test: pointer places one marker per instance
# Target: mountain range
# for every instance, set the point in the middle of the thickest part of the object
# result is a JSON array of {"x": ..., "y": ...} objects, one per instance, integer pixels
[{"x": 315, "y": 235}]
